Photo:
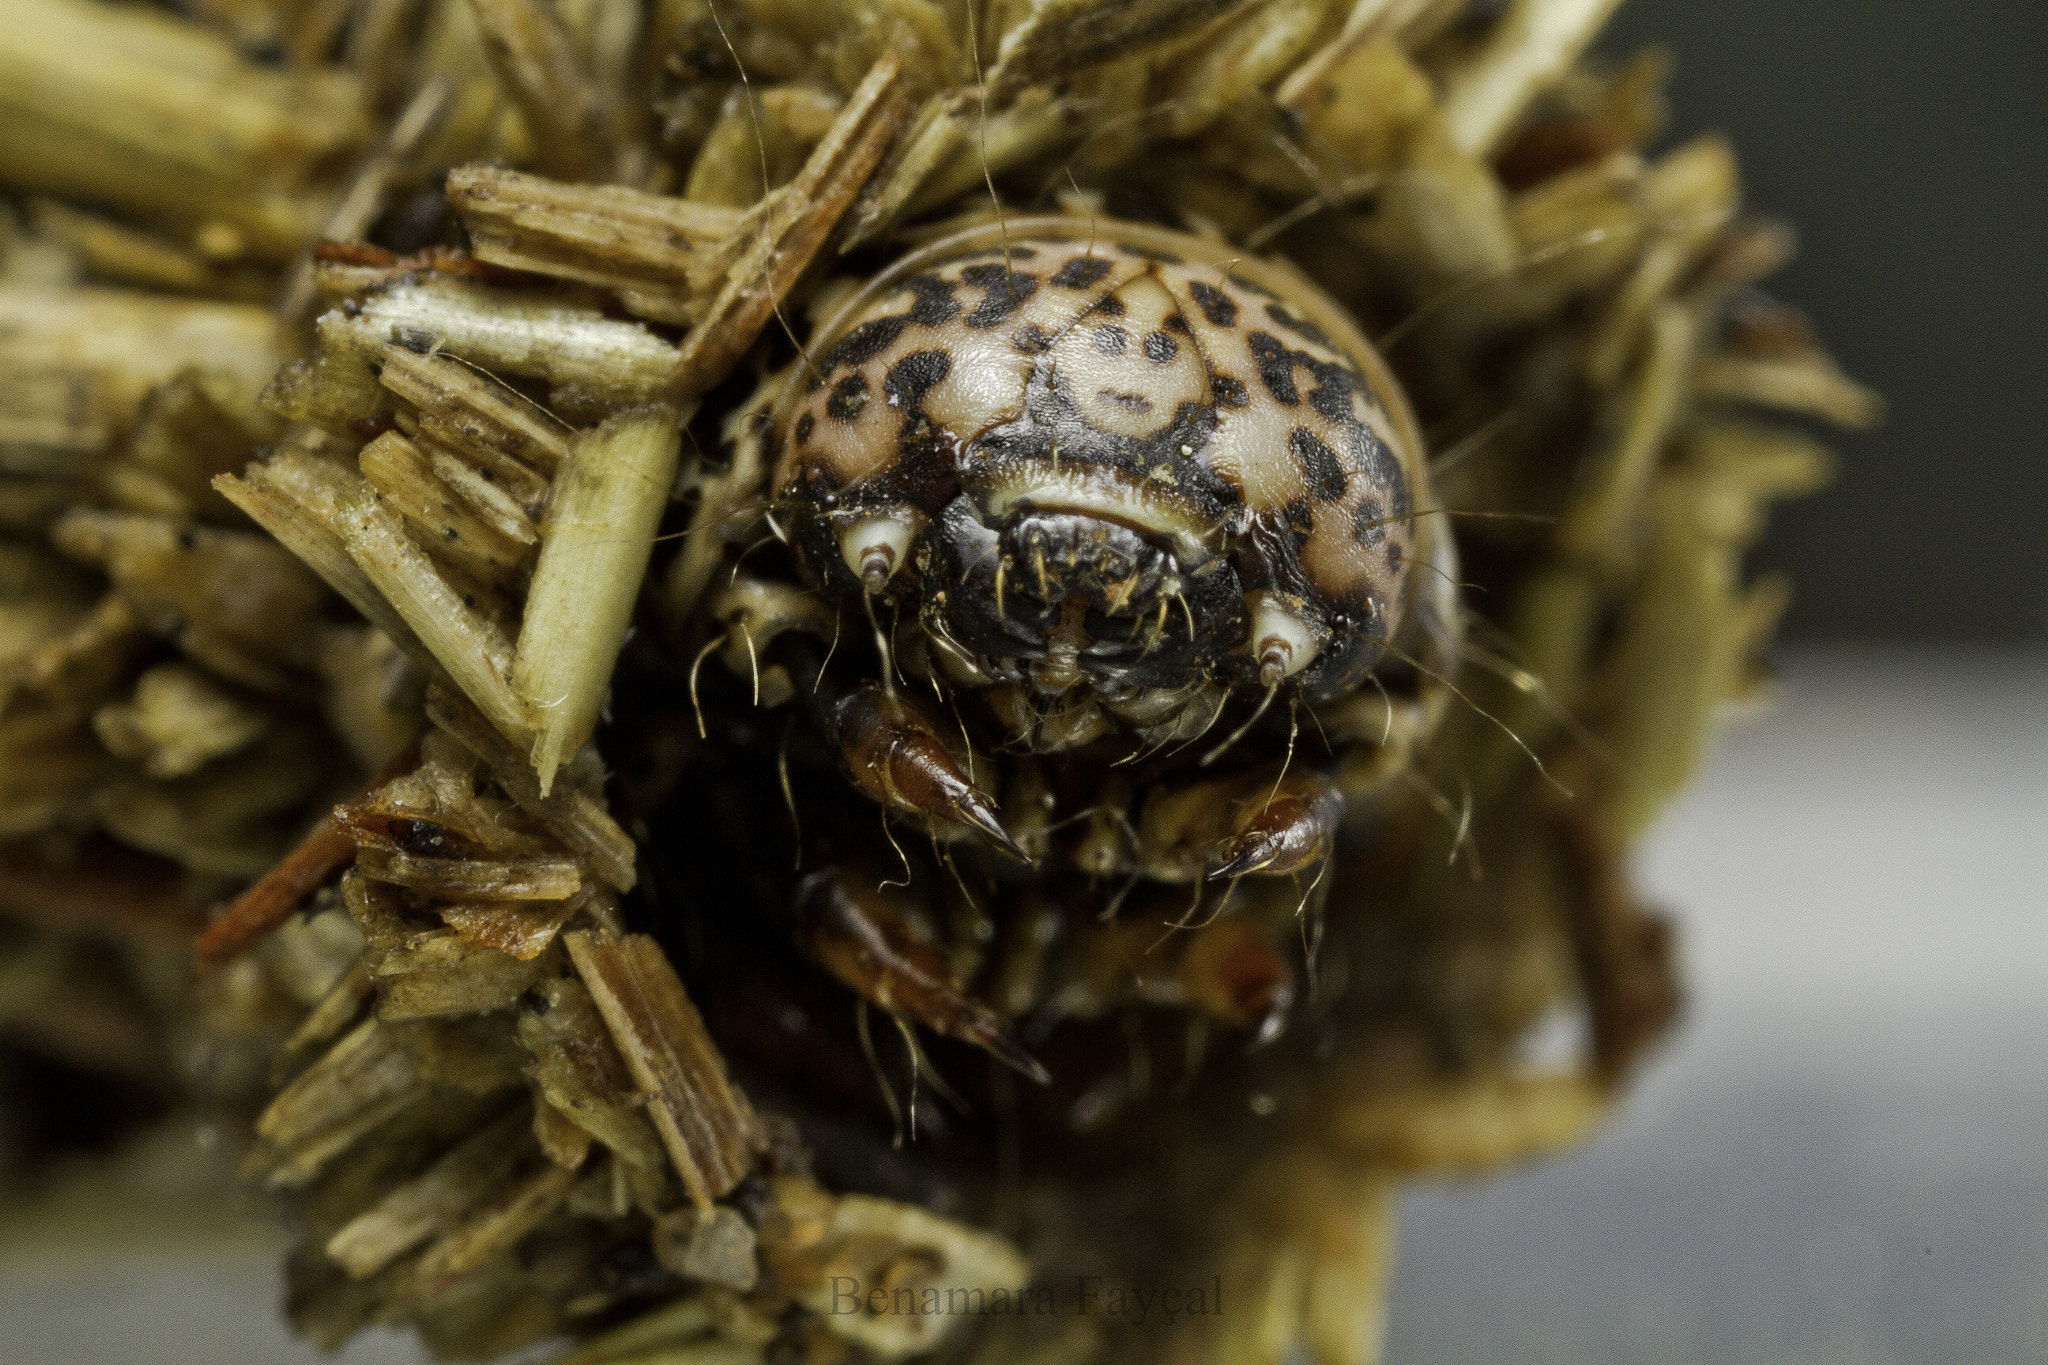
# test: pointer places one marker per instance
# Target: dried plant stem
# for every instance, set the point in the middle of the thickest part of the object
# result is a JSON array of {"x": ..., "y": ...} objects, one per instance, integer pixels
[
  {"x": 1529, "y": 48},
  {"x": 531, "y": 52},
  {"x": 577, "y": 818},
  {"x": 792, "y": 225},
  {"x": 467, "y": 644},
  {"x": 126, "y": 107},
  {"x": 595, "y": 543},
  {"x": 705, "y": 1123}
]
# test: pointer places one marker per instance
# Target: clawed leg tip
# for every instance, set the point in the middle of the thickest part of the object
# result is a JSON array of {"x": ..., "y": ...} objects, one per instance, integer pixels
[
  {"x": 1239, "y": 861},
  {"x": 860, "y": 933},
  {"x": 893, "y": 753},
  {"x": 976, "y": 814}
]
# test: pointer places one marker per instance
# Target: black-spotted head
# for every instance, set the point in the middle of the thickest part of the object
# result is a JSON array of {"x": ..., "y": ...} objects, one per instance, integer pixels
[{"x": 1100, "y": 454}]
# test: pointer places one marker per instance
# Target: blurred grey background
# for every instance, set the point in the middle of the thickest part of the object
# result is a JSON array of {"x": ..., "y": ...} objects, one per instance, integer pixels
[{"x": 1907, "y": 140}]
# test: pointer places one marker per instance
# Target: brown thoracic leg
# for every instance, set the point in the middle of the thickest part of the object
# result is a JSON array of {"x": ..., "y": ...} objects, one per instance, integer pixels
[
  {"x": 893, "y": 753},
  {"x": 861, "y": 933},
  {"x": 1263, "y": 822}
]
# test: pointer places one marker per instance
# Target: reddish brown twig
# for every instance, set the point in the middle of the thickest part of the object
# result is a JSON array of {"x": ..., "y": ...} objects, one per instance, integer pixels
[{"x": 323, "y": 853}]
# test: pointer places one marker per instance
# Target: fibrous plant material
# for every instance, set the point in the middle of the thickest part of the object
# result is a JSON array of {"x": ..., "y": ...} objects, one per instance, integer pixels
[
  {"x": 1008, "y": 650},
  {"x": 594, "y": 543},
  {"x": 710, "y": 1133},
  {"x": 138, "y": 112}
]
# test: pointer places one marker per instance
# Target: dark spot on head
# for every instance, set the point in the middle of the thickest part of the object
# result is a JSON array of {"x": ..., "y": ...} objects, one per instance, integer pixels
[
  {"x": 1160, "y": 348},
  {"x": 1130, "y": 402},
  {"x": 805, "y": 425},
  {"x": 1276, "y": 366},
  {"x": 1216, "y": 305},
  {"x": 935, "y": 303},
  {"x": 1229, "y": 491},
  {"x": 1177, "y": 322},
  {"x": 1300, "y": 521},
  {"x": 912, "y": 377},
  {"x": 1110, "y": 339},
  {"x": 1394, "y": 555},
  {"x": 1332, "y": 400},
  {"x": 1372, "y": 457},
  {"x": 1081, "y": 271},
  {"x": 1004, "y": 292},
  {"x": 1109, "y": 305},
  {"x": 1397, "y": 491},
  {"x": 1301, "y": 327},
  {"x": 848, "y": 397},
  {"x": 1031, "y": 339},
  {"x": 1319, "y": 464},
  {"x": 1370, "y": 526},
  {"x": 863, "y": 343},
  {"x": 1230, "y": 393},
  {"x": 186, "y": 540}
]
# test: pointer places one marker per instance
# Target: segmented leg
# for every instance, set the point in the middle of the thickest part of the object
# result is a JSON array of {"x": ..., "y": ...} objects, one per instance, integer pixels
[
  {"x": 893, "y": 753},
  {"x": 1264, "y": 822},
  {"x": 862, "y": 934},
  {"x": 1285, "y": 828}
]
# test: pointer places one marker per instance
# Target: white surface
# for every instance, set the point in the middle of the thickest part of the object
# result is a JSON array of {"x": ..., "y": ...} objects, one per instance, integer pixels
[{"x": 1842, "y": 1158}]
